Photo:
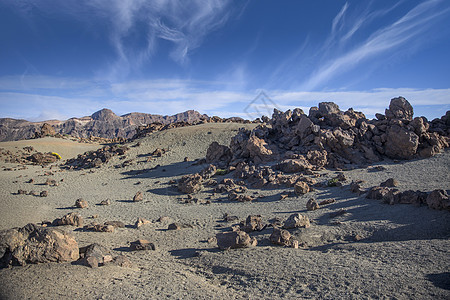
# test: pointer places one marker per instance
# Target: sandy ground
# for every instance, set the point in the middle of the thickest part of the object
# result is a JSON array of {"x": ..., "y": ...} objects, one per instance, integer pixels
[{"x": 403, "y": 253}]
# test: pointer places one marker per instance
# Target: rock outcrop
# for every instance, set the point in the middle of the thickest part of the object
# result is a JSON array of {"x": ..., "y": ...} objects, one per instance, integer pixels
[
  {"x": 35, "y": 244},
  {"x": 329, "y": 137}
]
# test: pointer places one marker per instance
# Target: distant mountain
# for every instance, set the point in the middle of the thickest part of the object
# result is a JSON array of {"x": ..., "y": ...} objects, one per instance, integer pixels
[{"x": 103, "y": 123}]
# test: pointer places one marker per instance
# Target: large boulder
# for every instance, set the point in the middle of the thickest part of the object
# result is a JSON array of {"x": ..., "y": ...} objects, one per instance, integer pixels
[
  {"x": 259, "y": 150},
  {"x": 294, "y": 165},
  {"x": 296, "y": 221},
  {"x": 328, "y": 108},
  {"x": 35, "y": 244},
  {"x": 217, "y": 153},
  {"x": 189, "y": 184},
  {"x": 401, "y": 143},
  {"x": 235, "y": 239},
  {"x": 400, "y": 108},
  {"x": 280, "y": 237}
]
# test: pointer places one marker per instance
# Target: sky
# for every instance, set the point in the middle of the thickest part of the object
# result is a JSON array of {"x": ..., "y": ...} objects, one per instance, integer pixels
[{"x": 63, "y": 59}]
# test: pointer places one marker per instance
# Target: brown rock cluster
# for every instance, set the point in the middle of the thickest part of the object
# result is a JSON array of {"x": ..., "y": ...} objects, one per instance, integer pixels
[
  {"x": 437, "y": 199},
  {"x": 93, "y": 159},
  {"x": 329, "y": 137}
]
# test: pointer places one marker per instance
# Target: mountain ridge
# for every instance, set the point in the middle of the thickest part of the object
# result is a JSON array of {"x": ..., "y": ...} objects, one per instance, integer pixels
[{"x": 103, "y": 123}]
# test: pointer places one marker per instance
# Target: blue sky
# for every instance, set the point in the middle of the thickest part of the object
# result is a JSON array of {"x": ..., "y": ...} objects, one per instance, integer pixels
[{"x": 62, "y": 59}]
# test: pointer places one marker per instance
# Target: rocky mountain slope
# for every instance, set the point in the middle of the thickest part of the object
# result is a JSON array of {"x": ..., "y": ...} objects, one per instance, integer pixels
[{"x": 103, "y": 123}]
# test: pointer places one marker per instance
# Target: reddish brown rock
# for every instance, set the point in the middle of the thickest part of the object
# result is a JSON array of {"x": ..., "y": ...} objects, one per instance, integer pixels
[
  {"x": 235, "y": 239},
  {"x": 259, "y": 150},
  {"x": 301, "y": 188},
  {"x": 282, "y": 237},
  {"x": 297, "y": 221},
  {"x": 401, "y": 143},
  {"x": 294, "y": 165},
  {"x": 140, "y": 222},
  {"x": 138, "y": 197},
  {"x": 400, "y": 108},
  {"x": 72, "y": 219},
  {"x": 81, "y": 203},
  {"x": 140, "y": 245},
  {"x": 190, "y": 184},
  {"x": 217, "y": 153},
  {"x": 35, "y": 244},
  {"x": 253, "y": 223},
  {"x": 312, "y": 204}
]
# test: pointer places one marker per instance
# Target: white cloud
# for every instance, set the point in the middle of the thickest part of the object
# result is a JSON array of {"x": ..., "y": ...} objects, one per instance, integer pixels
[
  {"x": 168, "y": 97},
  {"x": 136, "y": 26},
  {"x": 405, "y": 30}
]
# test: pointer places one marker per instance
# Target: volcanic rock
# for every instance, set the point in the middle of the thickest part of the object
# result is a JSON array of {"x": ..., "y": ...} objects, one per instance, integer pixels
[
  {"x": 280, "y": 237},
  {"x": 295, "y": 221},
  {"x": 140, "y": 245},
  {"x": 438, "y": 199},
  {"x": 312, "y": 204},
  {"x": 301, "y": 188},
  {"x": 190, "y": 184},
  {"x": 81, "y": 203},
  {"x": 138, "y": 197},
  {"x": 235, "y": 239},
  {"x": 35, "y": 244},
  {"x": 72, "y": 219}
]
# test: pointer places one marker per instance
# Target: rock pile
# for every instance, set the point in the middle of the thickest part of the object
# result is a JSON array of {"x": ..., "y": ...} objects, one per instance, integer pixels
[
  {"x": 437, "y": 199},
  {"x": 329, "y": 137},
  {"x": 93, "y": 159}
]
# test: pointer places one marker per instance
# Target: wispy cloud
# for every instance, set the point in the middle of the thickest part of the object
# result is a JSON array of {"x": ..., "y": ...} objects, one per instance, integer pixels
[
  {"x": 135, "y": 27},
  {"x": 44, "y": 100},
  {"x": 409, "y": 29}
]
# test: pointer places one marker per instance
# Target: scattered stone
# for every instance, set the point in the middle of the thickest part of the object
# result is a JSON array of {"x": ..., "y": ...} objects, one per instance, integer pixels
[
  {"x": 312, "y": 204},
  {"x": 228, "y": 218},
  {"x": 51, "y": 182},
  {"x": 337, "y": 213},
  {"x": 99, "y": 227},
  {"x": 327, "y": 201},
  {"x": 235, "y": 239},
  {"x": 253, "y": 223},
  {"x": 94, "y": 255},
  {"x": 105, "y": 202},
  {"x": 190, "y": 184},
  {"x": 138, "y": 197},
  {"x": 35, "y": 244},
  {"x": 281, "y": 237},
  {"x": 30, "y": 181},
  {"x": 140, "y": 245},
  {"x": 72, "y": 219},
  {"x": 140, "y": 222},
  {"x": 178, "y": 226},
  {"x": 164, "y": 219},
  {"x": 301, "y": 188},
  {"x": 43, "y": 194},
  {"x": 297, "y": 221},
  {"x": 355, "y": 187},
  {"x": 115, "y": 224},
  {"x": 391, "y": 182},
  {"x": 438, "y": 199},
  {"x": 378, "y": 192},
  {"x": 122, "y": 261},
  {"x": 21, "y": 192},
  {"x": 81, "y": 203}
]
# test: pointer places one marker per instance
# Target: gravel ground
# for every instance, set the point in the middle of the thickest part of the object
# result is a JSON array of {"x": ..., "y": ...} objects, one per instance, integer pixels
[{"x": 402, "y": 252}]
